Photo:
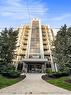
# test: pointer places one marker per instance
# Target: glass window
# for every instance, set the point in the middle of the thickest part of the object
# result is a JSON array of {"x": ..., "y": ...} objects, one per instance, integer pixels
[{"x": 35, "y": 40}]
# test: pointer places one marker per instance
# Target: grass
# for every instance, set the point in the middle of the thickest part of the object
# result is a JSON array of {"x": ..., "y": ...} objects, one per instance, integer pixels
[
  {"x": 61, "y": 82},
  {"x": 4, "y": 82}
]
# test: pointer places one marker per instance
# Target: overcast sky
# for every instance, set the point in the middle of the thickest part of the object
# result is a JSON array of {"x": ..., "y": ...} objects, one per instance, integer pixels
[{"x": 51, "y": 12}]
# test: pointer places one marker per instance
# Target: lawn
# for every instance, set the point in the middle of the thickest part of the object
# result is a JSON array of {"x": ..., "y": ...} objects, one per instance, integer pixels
[
  {"x": 61, "y": 82},
  {"x": 8, "y": 81}
]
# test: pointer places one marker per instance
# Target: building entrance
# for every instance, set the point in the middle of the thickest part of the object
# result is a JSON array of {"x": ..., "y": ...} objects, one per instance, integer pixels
[{"x": 34, "y": 68}]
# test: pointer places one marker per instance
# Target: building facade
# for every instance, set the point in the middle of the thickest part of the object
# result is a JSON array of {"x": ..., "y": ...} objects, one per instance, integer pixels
[{"x": 33, "y": 47}]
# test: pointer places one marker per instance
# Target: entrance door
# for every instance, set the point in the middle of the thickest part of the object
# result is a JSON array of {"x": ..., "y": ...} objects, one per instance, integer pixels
[
  {"x": 34, "y": 68},
  {"x": 31, "y": 68}
]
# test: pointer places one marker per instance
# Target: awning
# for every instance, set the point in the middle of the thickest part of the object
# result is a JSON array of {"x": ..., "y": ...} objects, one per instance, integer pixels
[{"x": 34, "y": 60}]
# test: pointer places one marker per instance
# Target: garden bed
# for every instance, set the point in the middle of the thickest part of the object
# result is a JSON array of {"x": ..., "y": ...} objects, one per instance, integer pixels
[
  {"x": 4, "y": 81},
  {"x": 63, "y": 82},
  {"x": 68, "y": 80}
]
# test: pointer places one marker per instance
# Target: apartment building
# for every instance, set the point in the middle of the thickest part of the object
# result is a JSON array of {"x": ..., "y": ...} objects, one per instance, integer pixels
[{"x": 34, "y": 46}]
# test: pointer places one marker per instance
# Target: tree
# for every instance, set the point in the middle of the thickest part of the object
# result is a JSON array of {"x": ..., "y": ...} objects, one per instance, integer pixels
[
  {"x": 4, "y": 45},
  {"x": 69, "y": 46},
  {"x": 8, "y": 40},
  {"x": 63, "y": 48}
]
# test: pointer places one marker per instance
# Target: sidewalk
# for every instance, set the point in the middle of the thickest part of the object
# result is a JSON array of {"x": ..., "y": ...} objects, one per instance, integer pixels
[{"x": 33, "y": 84}]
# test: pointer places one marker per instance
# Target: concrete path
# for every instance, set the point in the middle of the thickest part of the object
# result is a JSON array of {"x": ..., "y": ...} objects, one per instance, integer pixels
[{"x": 33, "y": 84}]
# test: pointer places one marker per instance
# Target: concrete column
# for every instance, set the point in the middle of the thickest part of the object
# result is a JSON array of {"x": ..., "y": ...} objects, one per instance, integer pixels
[
  {"x": 41, "y": 41},
  {"x": 56, "y": 67},
  {"x": 43, "y": 68},
  {"x": 16, "y": 65},
  {"x": 29, "y": 41},
  {"x": 52, "y": 63},
  {"x": 49, "y": 45},
  {"x": 24, "y": 67}
]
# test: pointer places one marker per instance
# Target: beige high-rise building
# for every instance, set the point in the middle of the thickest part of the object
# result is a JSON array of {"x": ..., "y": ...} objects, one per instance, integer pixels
[{"x": 33, "y": 47}]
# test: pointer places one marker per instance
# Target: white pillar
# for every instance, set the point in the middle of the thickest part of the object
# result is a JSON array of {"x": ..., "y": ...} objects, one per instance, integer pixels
[
  {"x": 41, "y": 41},
  {"x": 56, "y": 67},
  {"x": 29, "y": 40},
  {"x": 43, "y": 68},
  {"x": 49, "y": 46},
  {"x": 16, "y": 65}
]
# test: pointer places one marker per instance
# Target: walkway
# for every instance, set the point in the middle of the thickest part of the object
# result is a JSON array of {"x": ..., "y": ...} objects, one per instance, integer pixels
[{"x": 33, "y": 84}]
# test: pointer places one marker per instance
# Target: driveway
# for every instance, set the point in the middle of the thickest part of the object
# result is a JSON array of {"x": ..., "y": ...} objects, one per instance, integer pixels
[{"x": 33, "y": 84}]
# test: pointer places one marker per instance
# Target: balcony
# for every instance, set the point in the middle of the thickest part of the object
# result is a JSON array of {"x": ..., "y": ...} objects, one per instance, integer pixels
[
  {"x": 45, "y": 42},
  {"x": 17, "y": 45},
  {"x": 24, "y": 48},
  {"x": 26, "y": 32},
  {"x": 46, "y": 47},
  {"x": 43, "y": 34},
  {"x": 44, "y": 38},
  {"x": 25, "y": 43},
  {"x": 26, "y": 35},
  {"x": 25, "y": 38},
  {"x": 27, "y": 28},
  {"x": 46, "y": 52},
  {"x": 15, "y": 53},
  {"x": 22, "y": 53}
]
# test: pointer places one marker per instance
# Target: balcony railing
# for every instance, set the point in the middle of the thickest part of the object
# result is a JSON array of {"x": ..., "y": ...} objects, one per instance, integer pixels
[{"x": 47, "y": 52}]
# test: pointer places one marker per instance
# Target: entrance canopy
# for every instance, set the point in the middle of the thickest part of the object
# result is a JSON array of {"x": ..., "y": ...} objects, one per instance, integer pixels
[
  {"x": 35, "y": 60},
  {"x": 35, "y": 65}
]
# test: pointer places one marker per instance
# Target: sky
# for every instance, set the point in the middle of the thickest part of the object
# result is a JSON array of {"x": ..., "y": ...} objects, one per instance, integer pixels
[{"x": 54, "y": 13}]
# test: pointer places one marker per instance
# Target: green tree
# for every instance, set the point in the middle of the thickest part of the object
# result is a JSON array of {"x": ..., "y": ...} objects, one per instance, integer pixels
[
  {"x": 8, "y": 40},
  {"x": 62, "y": 48},
  {"x": 69, "y": 46}
]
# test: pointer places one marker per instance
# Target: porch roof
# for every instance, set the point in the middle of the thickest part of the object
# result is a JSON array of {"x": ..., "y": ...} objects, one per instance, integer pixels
[{"x": 35, "y": 60}]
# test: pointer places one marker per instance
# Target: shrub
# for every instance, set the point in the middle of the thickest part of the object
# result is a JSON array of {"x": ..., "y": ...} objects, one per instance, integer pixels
[
  {"x": 2, "y": 68},
  {"x": 14, "y": 74},
  {"x": 9, "y": 71},
  {"x": 11, "y": 74},
  {"x": 70, "y": 70},
  {"x": 5, "y": 68},
  {"x": 49, "y": 71},
  {"x": 44, "y": 77},
  {"x": 58, "y": 74},
  {"x": 23, "y": 76}
]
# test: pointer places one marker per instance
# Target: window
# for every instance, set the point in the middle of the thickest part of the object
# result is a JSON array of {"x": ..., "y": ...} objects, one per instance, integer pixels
[{"x": 35, "y": 40}]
